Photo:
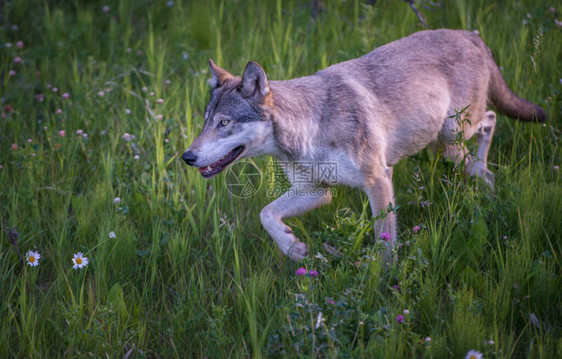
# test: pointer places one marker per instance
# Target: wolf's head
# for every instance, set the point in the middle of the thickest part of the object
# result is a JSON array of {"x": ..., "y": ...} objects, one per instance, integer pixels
[{"x": 237, "y": 121}]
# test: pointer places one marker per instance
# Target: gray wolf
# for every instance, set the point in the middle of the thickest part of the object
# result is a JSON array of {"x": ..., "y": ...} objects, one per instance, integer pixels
[{"x": 364, "y": 115}]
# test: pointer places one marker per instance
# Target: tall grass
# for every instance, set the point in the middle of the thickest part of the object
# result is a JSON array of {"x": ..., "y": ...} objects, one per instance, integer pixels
[{"x": 191, "y": 272}]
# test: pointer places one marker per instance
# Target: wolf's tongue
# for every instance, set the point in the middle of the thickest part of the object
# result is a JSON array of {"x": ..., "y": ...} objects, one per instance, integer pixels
[{"x": 206, "y": 169}]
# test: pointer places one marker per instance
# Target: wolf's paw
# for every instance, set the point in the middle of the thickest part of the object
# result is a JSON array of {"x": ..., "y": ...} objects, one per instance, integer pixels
[
  {"x": 297, "y": 252},
  {"x": 489, "y": 179}
]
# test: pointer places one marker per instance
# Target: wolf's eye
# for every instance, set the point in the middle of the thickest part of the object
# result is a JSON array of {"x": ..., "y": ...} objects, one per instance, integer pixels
[{"x": 224, "y": 122}]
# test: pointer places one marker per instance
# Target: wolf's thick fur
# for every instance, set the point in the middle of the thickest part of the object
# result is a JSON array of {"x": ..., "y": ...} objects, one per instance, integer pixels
[{"x": 364, "y": 115}]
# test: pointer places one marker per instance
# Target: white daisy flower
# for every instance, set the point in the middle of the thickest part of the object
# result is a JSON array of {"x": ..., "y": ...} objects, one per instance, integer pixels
[
  {"x": 32, "y": 258},
  {"x": 117, "y": 200},
  {"x": 79, "y": 261},
  {"x": 112, "y": 235},
  {"x": 473, "y": 354}
]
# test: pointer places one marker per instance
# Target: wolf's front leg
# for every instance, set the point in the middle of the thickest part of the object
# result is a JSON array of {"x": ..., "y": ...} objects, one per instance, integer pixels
[{"x": 296, "y": 201}]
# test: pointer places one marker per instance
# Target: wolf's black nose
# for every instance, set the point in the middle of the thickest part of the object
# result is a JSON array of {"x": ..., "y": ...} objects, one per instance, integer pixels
[{"x": 189, "y": 158}]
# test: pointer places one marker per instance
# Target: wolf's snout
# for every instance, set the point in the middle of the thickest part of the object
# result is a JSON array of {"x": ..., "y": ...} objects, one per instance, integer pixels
[{"x": 189, "y": 157}]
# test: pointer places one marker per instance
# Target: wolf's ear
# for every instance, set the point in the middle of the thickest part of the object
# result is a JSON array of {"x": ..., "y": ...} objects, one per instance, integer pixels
[
  {"x": 220, "y": 75},
  {"x": 254, "y": 82}
]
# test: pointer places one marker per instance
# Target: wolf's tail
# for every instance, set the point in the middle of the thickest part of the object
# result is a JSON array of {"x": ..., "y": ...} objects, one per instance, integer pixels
[{"x": 508, "y": 103}]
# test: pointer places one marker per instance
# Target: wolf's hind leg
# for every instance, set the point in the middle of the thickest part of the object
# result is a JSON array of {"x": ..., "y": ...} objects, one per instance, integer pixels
[
  {"x": 294, "y": 202},
  {"x": 478, "y": 165},
  {"x": 381, "y": 194}
]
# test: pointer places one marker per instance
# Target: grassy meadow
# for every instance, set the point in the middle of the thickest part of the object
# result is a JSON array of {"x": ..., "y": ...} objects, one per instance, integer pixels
[{"x": 101, "y": 99}]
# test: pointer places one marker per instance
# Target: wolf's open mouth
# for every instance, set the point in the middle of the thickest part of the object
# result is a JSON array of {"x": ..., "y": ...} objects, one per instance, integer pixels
[{"x": 217, "y": 167}]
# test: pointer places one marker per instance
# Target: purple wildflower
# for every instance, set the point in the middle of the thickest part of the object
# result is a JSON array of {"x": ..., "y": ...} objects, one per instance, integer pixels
[{"x": 301, "y": 271}]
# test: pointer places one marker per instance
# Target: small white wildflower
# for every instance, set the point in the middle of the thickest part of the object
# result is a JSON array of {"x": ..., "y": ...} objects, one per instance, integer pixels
[
  {"x": 127, "y": 136},
  {"x": 79, "y": 261},
  {"x": 112, "y": 234},
  {"x": 33, "y": 258},
  {"x": 427, "y": 339},
  {"x": 127, "y": 111},
  {"x": 101, "y": 93},
  {"x": 136, "y": 157},
  {"x": 117, "y": 200},
  {"x": 473, "y": 354},
  {"x": 406, "y": 312},
  {"x": 79, "y": 132}
]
